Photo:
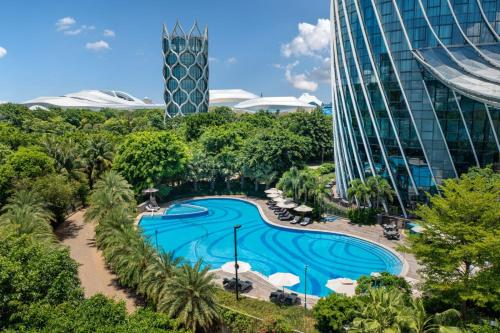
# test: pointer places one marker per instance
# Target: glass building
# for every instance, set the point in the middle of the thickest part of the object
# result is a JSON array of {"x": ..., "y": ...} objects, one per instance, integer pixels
[
  {"x": 185, "y": 71},
  {"x": 416, "y": 91}
]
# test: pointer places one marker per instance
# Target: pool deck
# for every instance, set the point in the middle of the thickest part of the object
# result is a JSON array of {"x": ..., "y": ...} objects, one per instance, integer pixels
[{"x": 373, "y": 233}]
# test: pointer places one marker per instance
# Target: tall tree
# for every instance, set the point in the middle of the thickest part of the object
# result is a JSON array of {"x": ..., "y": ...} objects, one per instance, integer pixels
[
  {"x": 458, "y": 249},
  {"x": 148, "y": 159},
  {"x": 110, "y": 191},
  {"x": 97, "y": 157}
]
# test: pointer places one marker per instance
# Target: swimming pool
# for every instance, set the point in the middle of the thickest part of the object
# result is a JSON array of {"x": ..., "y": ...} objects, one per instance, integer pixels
[{"x": 268, "y": 249}]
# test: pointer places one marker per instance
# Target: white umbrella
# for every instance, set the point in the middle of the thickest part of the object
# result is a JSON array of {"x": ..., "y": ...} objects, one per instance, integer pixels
[
  {"x": 273, "y": 190},
  {"x": 273, "y": 195},
  {"x": 303, "y": 209},
  {"x": 342, "y": 286},
  {"x": 375, "y": 274},
  {"x": 284, "y": 279},
  {"x": 243, "y": 267},
  {"x": 286, "y": 205}
]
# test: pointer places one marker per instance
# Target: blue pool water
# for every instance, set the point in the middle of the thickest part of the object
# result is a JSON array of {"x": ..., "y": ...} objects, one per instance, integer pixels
[{"x": 267, "y": 248}]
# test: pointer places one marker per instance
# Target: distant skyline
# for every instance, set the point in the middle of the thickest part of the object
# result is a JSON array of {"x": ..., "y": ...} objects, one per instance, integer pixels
[{"x": 50, "y": 47}]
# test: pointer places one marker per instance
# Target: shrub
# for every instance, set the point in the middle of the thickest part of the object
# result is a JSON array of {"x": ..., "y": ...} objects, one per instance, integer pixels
[
  {"x": 334, "y": 312},
  {"x": 385, "y": 280},
  {"x": 363, "y": 216}
]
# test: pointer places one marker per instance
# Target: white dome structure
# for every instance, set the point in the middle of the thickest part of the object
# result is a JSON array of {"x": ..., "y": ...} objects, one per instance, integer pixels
[
  {"x": 93, "y": 100},
  {"x": 229, "y": 97},
  {"x": 274, "y": 104},
  {"x": 310, "y": 99}
]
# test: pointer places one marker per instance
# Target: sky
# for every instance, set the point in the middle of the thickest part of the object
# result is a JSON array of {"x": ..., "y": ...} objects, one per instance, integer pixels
[{"x": 54, "y": 47}]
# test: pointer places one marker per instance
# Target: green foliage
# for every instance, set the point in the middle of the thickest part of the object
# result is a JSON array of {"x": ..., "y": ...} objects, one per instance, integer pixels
[
  {"x": 334, "y": 312},
  {"x": 362, "y": 216},
  {"x": 189, "y": 296},
  {"x": 30, "y": 162},
  {"x": 57, "y": 194},
  {"x": 96, "y": 314},
  {"x": 33, "y": 272},
  {"x": 25, "y": 214},
  {"x": 385, "y": 280},
  {"x": 241, "y": 315},
  {"x": 147, "y": 159},
  {"x": 194, "y": 125},
  {"x": 458, "y": 250},
  {"x": 315, "y": 126},
  {"x": 326, "y": 168}
]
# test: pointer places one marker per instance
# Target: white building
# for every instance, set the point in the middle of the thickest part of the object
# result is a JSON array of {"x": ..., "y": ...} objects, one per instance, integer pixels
[
  {"x": 93, "y": 100},
  {"x": 273, "y": 104}
]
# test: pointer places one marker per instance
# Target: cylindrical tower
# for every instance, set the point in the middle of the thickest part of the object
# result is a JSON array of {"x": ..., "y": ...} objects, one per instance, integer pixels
[{"x": 185, "y": 71}]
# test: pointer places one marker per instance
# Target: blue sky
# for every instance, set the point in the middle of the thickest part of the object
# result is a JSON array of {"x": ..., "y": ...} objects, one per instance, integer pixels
[{"x": 54, "y": 47}]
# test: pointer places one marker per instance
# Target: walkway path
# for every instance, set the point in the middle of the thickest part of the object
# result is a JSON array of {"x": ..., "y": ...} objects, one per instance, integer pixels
[{"x": 94, "y": 275}]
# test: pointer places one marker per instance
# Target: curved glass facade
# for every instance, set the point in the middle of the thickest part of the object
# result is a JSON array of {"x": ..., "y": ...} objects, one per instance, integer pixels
[
  {"x": 185, "y": 71},
  {"x": 415, "y": 90}
]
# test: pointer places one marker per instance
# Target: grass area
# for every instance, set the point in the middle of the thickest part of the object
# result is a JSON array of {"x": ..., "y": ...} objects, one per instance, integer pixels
[{"x": 296, "y": 317}]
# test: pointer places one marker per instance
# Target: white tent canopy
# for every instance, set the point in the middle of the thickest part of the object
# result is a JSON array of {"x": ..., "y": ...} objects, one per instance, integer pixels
[
  {"x": 342, "y": 286},
  {"x": 243, "y": 267},
  {"x": 284, "y": 279}
]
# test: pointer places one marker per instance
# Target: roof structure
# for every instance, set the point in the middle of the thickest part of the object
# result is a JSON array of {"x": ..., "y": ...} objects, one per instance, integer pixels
[
  {"x": 273, "y": 104},
  {"x": 230, "y": 96},
  {"x": 93, "y": 100},
  {"x": 310, "y": 99}
]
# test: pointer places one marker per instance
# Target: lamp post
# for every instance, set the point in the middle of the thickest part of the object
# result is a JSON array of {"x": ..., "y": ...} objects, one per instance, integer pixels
[
  {"x": 305, "y": 287},
  {"x": 235, "y": 228}
]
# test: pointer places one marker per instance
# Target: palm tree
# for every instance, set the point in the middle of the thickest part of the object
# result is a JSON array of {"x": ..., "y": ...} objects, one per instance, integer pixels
[
  {"x": 418, "y": 321},
  {"x": 26, "y": 214},
  {"x": 383, "y": 312},
  {"x": 190, "y": 297},
  {"x": 320, "y": 193},
  {"x": 97, "y": 157},
  {"x": 136, "y": 256},
  {"x": 110, "y": 191},
  {"x": 357, "y": 189},
  {"x": 159, "y": 272},
  {"x": 64, "y": 152},
  {"x": 379, "y": 190},
  {"x": 290, "y": 182}
]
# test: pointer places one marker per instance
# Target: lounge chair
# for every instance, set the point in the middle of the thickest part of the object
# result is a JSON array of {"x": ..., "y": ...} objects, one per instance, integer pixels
[
  {"x": 151, "y": 208},
  {"x": 295, "y": 220},
  {"x": 285, "y": 217},
  {"x": 305, "y": 222},
  {"x": 230, "y": 284}
]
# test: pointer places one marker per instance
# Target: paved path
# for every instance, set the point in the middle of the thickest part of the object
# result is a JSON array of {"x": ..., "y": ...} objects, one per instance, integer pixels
[{"x": 94, "y": 275}]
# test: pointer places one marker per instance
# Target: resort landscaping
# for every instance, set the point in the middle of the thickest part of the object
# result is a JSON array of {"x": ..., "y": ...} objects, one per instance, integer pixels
[{"x": 98, "y": 164}]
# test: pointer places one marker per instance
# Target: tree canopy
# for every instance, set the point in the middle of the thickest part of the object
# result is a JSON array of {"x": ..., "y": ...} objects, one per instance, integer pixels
[
  {"x": 459, "y": 247},
  {"x": 147, "y": 159}
]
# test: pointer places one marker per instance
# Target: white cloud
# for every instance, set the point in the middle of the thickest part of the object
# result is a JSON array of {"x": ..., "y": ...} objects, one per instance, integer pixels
[
  {"x": 299, "y": 81},
  {"x": 212, "y": 59},
  {"x": 97, "y": 46},
  {"x": 3, "y": 52},
  {"x": 65, "y": 23},
  {"x": 311, "y": 40},
  {"x": 108, "y": 33},
  {"x": 88, "y": 27},
  {"x": 72, "y": 32},
  {"x": 231, "y": 61}
]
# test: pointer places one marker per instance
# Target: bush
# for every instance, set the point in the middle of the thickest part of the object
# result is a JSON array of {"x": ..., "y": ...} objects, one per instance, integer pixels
[
  {"x": 32, "y": 272},
  {"x": 385, "y": 280},
  {"x": 326, "y": 168},
  {"x": 334, "y": 312},
  {"x": 363, "y": 216}
]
